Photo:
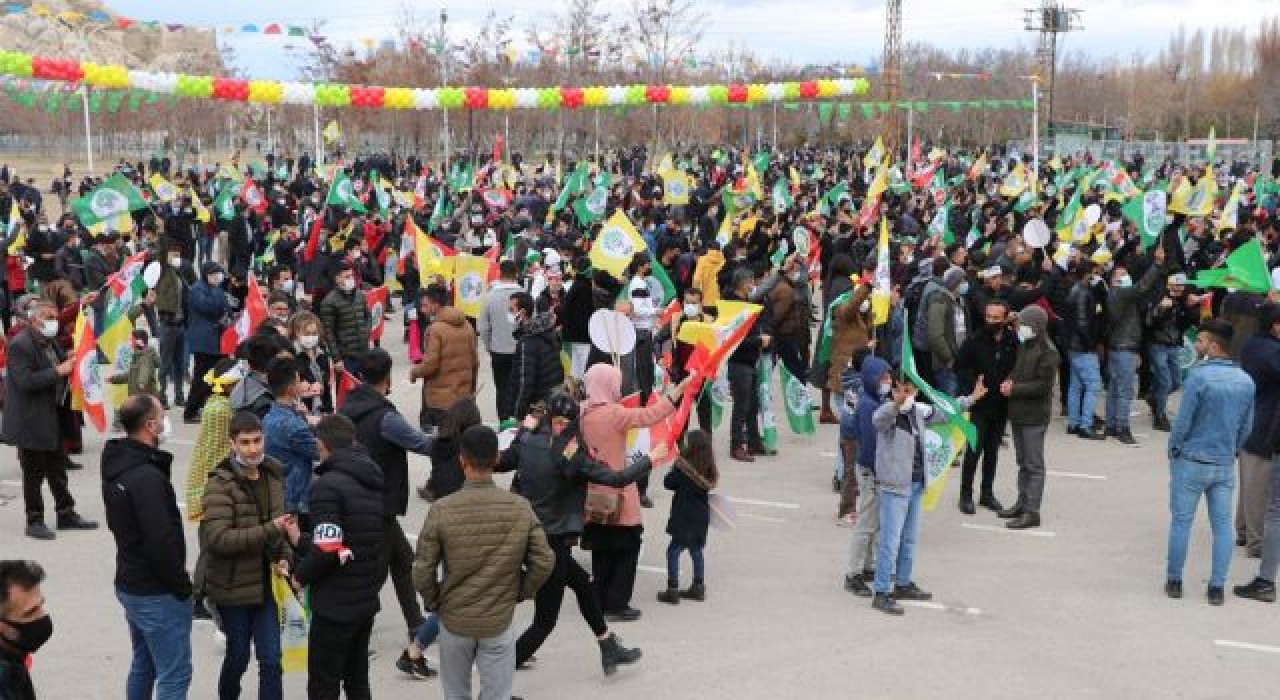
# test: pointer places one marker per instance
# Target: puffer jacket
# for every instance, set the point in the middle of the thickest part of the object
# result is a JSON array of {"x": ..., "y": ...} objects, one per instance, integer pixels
[
  {"x": 208, "y": 309},
  {"x": 537, "y": 369},
  {"x": 873, "y": 370},
  {"x": 1033, "y": 373},
  {"x": 556, "y": 487},
  {"x": 494, "y": 552},
  {"x": 347, "y": 324},
  {"x": 237, "y": 538},
  {"x": 1124, "y": 304},
  {"x": 449, "y": 363},
  {"x": 347, "y": 511}
]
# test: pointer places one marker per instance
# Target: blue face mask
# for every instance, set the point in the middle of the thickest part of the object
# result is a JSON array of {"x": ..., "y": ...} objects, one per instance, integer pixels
[{"x": 962, "y": 289}]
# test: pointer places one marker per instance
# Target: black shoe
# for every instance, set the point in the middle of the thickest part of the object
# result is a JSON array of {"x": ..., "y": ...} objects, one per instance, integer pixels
[
  {"x": 645, "y": 502},
  {"x": 835, "y": 484},
  {"x": 73, "y": 466},
  {"x": 966, "y": 505},
  {"x": 624, "y": 615},
  {"x": 1216, "y": 596},
  {"x": 73, "y": 521},
  {"x": 191, "y": 420},
  {"x": 1161, "y": 424},
  {"x": 1240, "y": 540},
  {"x": 527, "y": 664},
  {"x": 886, "y": 604},
  {"x": 1126, "y": 438},
  {"x": 990, "y": 503},
  {"x": 671, "y": 596},
  {"x": 910, "y": 592},
  {"x": 697, "y": 592},
  {"x": 1071, "y": 430},
  {"x": 1012, "y": 512},
  {"x": 200, "y": 611},
  {"x": 1173, "y": 589},
  {"x": 1088, "y": 434},
  {"x": 40, "y": 531},
  {"x": 1111, "y": 432},
  {"x": 857, "y": 585},
  {"x": 613, "y": 654},
  {"x": 1259, "y": 589},
  {"x": 417, "y": 668},
  {"x": 1024, "y": 521}
]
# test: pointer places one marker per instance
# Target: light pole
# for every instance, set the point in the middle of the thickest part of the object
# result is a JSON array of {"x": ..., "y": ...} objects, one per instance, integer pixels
[{"x": 443, "y": 48}]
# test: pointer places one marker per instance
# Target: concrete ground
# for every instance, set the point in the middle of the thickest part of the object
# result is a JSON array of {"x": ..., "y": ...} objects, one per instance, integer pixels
[{"x": 1071, "y": 610}]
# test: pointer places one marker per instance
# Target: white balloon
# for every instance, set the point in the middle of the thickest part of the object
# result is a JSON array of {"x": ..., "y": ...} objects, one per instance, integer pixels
[
  {"x": 844, "y": 86},
  {"x": 151, "y": 274},
  {"x": 775, "y": 91},
  {"x": 1092, "y": 214},
  {"x": 526, "y": 97},
  {"x": 699, "y": 95},
  {"x": 611, "y": 332},
  {"x": 424, "y": 98},
  {"x": 616, "y": 95},
  {"x": 1036, "y": 233}
]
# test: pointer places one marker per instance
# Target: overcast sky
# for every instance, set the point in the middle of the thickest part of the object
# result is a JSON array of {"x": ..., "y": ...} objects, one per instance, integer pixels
[{"x": 801, "y": 31}]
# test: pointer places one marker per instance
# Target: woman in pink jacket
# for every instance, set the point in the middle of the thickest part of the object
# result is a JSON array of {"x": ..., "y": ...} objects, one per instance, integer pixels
[{"x": 614, "y": 523}]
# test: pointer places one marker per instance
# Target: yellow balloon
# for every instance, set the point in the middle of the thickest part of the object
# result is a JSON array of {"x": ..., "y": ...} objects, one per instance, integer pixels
[
  {"x": 756, "y": 93},
  {"x": 679, "y": 95}
]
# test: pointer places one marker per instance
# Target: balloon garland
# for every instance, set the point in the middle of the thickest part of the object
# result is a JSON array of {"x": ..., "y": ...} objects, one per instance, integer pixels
[{"x": 25, "y": 65}]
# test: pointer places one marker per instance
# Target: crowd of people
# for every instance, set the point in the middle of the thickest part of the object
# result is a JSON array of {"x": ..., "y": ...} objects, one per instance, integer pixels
[{"x": 901, "y": 294}]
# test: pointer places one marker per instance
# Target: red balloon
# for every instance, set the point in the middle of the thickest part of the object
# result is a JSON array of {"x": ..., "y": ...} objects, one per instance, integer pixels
[
  {"x": 657, "y": 94},
  {"x": 475, "y": 98},
  {"x": 808, "y": 89},
  {"x": 571, "y": 97},
  {"x": 377, "y": 96},
  {"x": 230, "y": 89},
  {"x": 738, "y": 93}
]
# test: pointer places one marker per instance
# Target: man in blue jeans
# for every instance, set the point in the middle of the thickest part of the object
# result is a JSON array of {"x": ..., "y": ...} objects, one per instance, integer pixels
[
  {"x": 1081, "y": 332},
  {"x": 1124, "y": 340},
  {"x": 151, "y": 578},
  {"x": 1167, "y": 320},
  {"x": 1215, "y": 417}
]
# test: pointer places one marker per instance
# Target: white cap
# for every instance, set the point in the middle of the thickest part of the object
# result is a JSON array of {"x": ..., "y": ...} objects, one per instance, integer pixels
[
  {"x": 993, "y": 271},
  {"x": 1275, "y": 278}
]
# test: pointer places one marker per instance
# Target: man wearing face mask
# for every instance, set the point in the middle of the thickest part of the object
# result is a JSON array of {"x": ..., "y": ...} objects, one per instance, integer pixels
[
  {"x": 25, "y": 626},
  {"x": 151, "y": 580},
  {"x": 1029, "y": 392},
  {"x": 989, "y": 353},
  {"x": 1124, "y": 341},
  {"x": 346, "y": 319},
  {"x": 171, "y": 316},
  {"x": 36, "y": 386},
  {"x": 536, "y": 368},
  {"x": 449, "y": 361},
  {"x": 948, "y": 328},
  {"x": 208, "y": 307}
]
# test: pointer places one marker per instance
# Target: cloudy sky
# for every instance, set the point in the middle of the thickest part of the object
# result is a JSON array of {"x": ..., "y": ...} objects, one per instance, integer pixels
[{"x": 800, "y": 31}]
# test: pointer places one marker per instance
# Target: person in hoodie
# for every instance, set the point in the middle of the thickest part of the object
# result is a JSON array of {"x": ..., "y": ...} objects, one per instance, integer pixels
[
  {"x": 289, "y": 439},
  {"x": 1029, "y": 392},
  {"x": 497, "y": 332},
  {"x": 536, "y": 369},
  {"x": 151, "y": 580},
  {"x": 876, "y": 384},
  {"x": 344, "y": 562},
  {"x": 449, "y": 362}
]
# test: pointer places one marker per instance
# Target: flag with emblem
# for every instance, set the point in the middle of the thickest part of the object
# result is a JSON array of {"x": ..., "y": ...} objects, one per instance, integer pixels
[
  {"x": 252, "y": 197},
  {"x": 616, "y": 245},
  {"x": 254, "y": 313},
  {"x": 434, "y": 257},
  {"x": 224, "y": 205},
  {"x": 202, "y": 212},
  {"x": 332, "y": 132},
  {"x": 163, "y": 189},
  {"x": 593, "y": 207},
  {"x": 768, "y": 420},
  {"x": 782, "y": 200},
  {"x": 795, "y": 396},
  {"x": 1015, "y": 183},
  {"x": 641, "y": 441},
  {"x": 470, "y": 283},
  {"x": 342, "y": 193},
  {"x": 376, "y": 299},
  {"x": 1147, "y": 212},
  {"x": 88, "y": 390},
  {"x": 713, "y": 342},
  {"x": 496, "y": 199},
  {"x": 116, "y": 196},
  {"x": 381, "y": 192},
  {"x": 677, "y": 188},
  {"x": 881, "y": 290}
]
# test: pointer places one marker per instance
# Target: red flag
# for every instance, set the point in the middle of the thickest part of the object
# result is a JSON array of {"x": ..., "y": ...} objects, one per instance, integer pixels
[
  {"x": 252, "y": 197},
  {"x": 497, "y": 148},
  {"x": 669, "y": 314},
  {"x": 344, "y": 384},
  {"x": 313, "y": 239},
  {"x": 255, "y": 312},
  {"x": 86, "y": 377},
  {"x": 492, "y": 256},
  {"x": 921, "y": 178},
  {"x": 495, "y": 199},
  {"x": 376, "y": 299},
  {"x": 915, "y": 150}
]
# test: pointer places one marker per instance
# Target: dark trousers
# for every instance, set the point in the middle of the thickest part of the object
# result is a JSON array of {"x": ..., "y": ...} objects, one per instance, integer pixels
[
  {"x": 613, "y": 568},
  {"x": 201, "y": 364},
  {"x": 401, "y": 558},
  {"x": 338, "y": 659},
  {"x": 566, "y": 574},
  {"x": 794, "y": 356},
  {"x": 990, "y": 428},
  {"x": 502, "y": 363},
  {"x": 39, "y": 466},
  {"x": 256, "y": 624},
  {"x": 744, "y": 431},
  {"x": 172, "y": 366}
]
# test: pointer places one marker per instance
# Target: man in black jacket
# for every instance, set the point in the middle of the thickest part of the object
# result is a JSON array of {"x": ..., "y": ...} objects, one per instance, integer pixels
[
  {"x": 1082, "y": 335},
  {"x": 151, "y": 579},
  {"x": 36, "y": 385},
  {"x": 535, "y": 368},
  {"x": 986, "y": 356},
  {"x": 388, "y": 437},
  {"x": 344, "y": 562},
  {"x": 24, "y": 626}
]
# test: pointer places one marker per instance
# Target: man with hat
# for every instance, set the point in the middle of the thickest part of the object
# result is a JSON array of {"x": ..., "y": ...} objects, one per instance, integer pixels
[
  {"x": 1167, "y": 319},
  {"x": 1029, "y": 390}
]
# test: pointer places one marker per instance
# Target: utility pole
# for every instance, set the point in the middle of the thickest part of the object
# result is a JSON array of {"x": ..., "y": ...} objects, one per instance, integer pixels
[
  {"x": 891, "y": 73},
  {"x": 443, "y": 47},
  {"x": 1050, "y": 20}
]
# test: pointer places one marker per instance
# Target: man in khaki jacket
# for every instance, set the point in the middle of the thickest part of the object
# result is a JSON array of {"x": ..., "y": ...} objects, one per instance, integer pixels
[
  {"x": 494, "y": 554},
  {"x": 449, "y": 358}
]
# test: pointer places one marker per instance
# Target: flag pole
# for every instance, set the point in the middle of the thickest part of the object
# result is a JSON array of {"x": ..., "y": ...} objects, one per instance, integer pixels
[
  {"x": 315, "y": 126},
  {"x": 88, "y": 130}
]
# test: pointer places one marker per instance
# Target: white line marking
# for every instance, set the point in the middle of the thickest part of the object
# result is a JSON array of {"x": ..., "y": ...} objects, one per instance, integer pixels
[
  {"x": 770, "y": 504},
  {"x": 1246, "y": 645},
  {"x": 965, "y": 610},
  {"x": 1077, "y": 475},
  {"x": 827, "y": 454},
  {"x": 652, "y": 569},
  {"x": 177, "y": 441},
  {"x": 996, "y": 528},
  {"x": 762, "y": 518}
]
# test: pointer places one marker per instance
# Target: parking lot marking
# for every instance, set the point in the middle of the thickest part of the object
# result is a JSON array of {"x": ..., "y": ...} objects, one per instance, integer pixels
[
  {"x": 770, "y": 504},
  {"x": 652, "y": 569},
  {"x": 1246, "y": 645},
  {"x": 762, "y": 518},
  {"x": 996, "y": 528},
  {"x": 931, "y": 605},
  {"x": 1077, "y": 475}
]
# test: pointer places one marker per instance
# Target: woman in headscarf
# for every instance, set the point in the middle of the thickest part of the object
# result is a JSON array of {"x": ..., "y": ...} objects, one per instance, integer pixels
[{"x": 614, "y": 525}]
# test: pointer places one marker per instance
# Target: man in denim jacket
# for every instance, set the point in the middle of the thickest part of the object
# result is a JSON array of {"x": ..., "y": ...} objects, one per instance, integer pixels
[
  {"x": 1213, "y": 421},
  {"x": 289, "y": 439}
]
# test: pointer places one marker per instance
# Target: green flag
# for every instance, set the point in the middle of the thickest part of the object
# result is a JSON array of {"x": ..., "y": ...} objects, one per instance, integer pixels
[
  {"x": 795, "y": 395},
  {"x": 782, "y": 200},
  {"x": 380, "y": 192},
  {"x": 438, "y": 211},
  {"x": 768, "y": 421},
  {"x": 761, "y": 161},
  {"x": 114, "y": 197},
  {"x": 593, "y": 207},
  {"x": 573, "y": 184},
  {"x": 827, "y": 335},
  {"x": 224, "y": 206},
  {"x": 942, "y": 402},
  {"x": 1147, "y": 212},
  {"x": 717, "y": 392},
  {"x": 660, "y": 274},
  {"x": 342, "y": 194},
  {"x": 941, "y": 224},
  {"x": 1246, "y": 270}
]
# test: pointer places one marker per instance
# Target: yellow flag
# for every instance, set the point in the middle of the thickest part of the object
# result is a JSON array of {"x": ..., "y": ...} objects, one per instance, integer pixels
[
  {"x": 432, "y": 259},
  {"x": 677, "y": 189},
  {"x": 753, "y": 179},
  {"x": 616, "y": 245},
  {"x": 794, "y": 175},
  {"x": 470, "y": 284},
  {"x": 881, "y": 291},
  {"x": 875, "y": 155},
  {"x": 1015, "y": 182},
  {"x": 18, "y": 243},
  {"x": 202, "y": 212},
  {"x": 1231, "y": 210},
  {"x": 666, "y": 168},
  {"x": 165, "y": 191},
  {"x": 332, "y": 132},
  {"x": 1203, "y": 195}
]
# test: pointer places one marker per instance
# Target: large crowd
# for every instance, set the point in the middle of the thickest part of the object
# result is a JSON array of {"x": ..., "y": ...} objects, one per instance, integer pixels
[{"x": 894, "y": 295}]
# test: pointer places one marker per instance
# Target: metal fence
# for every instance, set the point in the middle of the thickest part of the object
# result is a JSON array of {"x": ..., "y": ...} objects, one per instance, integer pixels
[{"x": 1257, "y": 153}]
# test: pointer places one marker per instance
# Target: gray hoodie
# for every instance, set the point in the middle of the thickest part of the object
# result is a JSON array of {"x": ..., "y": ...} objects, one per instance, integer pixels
[{"x": 496, "y": 332}]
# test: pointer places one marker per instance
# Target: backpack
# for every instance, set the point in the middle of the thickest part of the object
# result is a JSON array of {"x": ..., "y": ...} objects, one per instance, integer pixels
[{"x": 917, "y": 309}]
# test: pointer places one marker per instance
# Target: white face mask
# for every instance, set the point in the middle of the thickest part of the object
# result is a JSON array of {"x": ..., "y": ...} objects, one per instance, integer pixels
[
  {"x": 49, "y": 328},
  {"x": 512, "y": 318},
  {"x": 216, "y": 279},
  {"x": 885, "y": 390},
  {"x": 309, "y": 341},
  {"x": 252, "y": 464},
  {"x": 1025, "y": 333},
  {"x": 692, "y": 310},
  {"x": 166, "y": 429},
  {"x": 348, "y": 285},
  {"x": 287, "y": 286},
  {"x": 175, "y": 262},
  {"x": 908, "y": 404}
]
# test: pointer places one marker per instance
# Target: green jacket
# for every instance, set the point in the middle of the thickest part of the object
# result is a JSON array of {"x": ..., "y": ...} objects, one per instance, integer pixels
[
  {"x": 141, "y": 377},
  {"x": 238, "y": 540},
  {"x": 1033, "y": 375},
  {"x": 347, "y": 323}
]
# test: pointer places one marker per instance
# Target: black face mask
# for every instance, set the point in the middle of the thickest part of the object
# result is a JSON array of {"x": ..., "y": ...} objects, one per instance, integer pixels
[{"x": 30, "y": 635}]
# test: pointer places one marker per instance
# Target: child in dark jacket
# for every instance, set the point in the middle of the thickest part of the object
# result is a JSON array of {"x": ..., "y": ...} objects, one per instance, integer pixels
[{"x": 692, "y": 478}]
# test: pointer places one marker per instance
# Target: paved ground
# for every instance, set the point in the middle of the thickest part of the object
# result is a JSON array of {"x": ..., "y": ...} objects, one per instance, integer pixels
[{"x": 1073, "y": 610}]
